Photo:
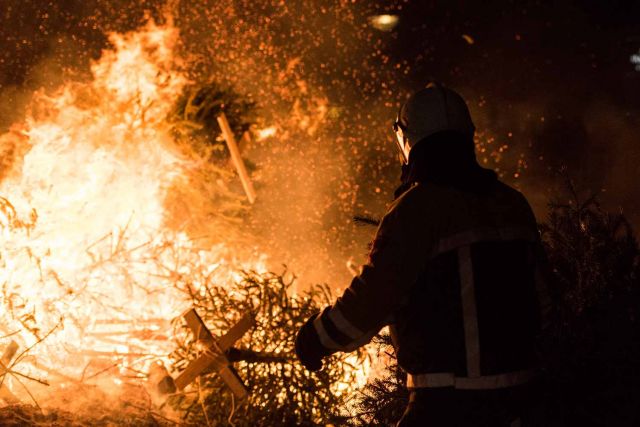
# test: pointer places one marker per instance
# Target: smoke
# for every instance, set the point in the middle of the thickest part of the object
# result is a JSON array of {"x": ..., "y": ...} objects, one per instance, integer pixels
[
  {"x": 546, "y": 138},
  {"x": 330, "y": 84},
  {"x": 318, "y": 75}
]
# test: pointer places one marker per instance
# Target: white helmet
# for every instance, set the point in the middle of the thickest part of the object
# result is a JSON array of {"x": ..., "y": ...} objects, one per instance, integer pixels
[{"x": 433, "y": 109}]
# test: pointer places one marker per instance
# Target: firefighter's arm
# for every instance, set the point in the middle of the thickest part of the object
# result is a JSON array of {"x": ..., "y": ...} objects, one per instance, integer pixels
[{"x": 395, "y": 260}]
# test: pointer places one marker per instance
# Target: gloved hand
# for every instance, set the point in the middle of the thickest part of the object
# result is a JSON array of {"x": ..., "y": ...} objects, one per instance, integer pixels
[{"x": 308, "y": 347}]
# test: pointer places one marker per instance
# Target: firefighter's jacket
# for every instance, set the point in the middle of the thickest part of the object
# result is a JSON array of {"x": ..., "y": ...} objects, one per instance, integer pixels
[{"x": 454, "y": 275}]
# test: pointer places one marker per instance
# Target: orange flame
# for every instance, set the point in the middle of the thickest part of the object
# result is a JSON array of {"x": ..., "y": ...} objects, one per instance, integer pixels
[{"x": 84, "y": 252}]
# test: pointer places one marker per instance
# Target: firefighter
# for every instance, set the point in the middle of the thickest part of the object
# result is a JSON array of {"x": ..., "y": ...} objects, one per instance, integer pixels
[{"x": 454, "y": 271}]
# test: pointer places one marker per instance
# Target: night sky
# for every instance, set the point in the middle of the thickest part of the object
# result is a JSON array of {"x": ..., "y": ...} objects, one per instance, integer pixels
[
  {"x": 557, "y": 75},
  {"x": 549, "y": 86}
]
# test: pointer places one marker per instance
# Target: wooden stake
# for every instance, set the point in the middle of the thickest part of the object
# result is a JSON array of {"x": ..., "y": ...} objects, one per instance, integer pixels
[{"x": 237, "y": 158}]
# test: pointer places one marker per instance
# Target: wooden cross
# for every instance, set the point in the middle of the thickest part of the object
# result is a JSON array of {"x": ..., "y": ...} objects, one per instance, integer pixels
[
  {"x": 5, "y": 360},
  {"x": 214, "y": 356}
]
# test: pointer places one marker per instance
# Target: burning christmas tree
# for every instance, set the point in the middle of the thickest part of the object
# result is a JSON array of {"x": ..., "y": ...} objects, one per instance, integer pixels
[{"x": 103, "y": 180}]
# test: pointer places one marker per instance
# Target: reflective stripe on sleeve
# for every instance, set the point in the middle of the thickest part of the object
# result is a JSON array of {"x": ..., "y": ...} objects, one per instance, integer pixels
[
  {"x": 469, "y": 312},
  {"x": 331, "y": 344},
  {"x": 486, "y": 382},
  {"x": 343, "y": 325},
  {"x": 362, "y": 340},
  {"x": 325, "y": 339}
]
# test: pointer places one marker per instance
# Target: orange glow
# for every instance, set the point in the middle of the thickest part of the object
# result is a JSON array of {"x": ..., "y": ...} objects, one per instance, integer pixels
[{"x": 85, "y": 251}]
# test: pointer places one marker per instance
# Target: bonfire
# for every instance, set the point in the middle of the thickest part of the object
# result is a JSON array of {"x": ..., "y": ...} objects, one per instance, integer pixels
[{"x": 98, "y": 263}]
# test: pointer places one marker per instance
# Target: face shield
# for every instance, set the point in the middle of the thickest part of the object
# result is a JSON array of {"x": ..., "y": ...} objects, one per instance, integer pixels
[{"x": 401, "y": 142}]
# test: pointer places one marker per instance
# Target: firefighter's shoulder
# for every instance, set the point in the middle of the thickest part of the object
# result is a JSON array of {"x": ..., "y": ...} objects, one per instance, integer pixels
[
  {"x": 419, "y": 193},
  {"x": 515, "y": 200},
  {"x": 418, "y": 201},
  {"x": 415, "y": 218},
  {"x": 510, "y": 191}
]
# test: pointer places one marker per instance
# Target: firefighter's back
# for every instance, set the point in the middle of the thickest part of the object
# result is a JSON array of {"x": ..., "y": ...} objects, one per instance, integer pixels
[{"x": 466, "y": 333}]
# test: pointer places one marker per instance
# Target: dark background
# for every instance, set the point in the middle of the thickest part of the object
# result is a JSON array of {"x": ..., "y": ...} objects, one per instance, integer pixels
[{"x": 565, "y": 61}]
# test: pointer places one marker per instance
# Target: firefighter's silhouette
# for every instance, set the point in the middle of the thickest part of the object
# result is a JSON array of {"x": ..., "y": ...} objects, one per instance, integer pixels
[{"x": 454, "y": 271}]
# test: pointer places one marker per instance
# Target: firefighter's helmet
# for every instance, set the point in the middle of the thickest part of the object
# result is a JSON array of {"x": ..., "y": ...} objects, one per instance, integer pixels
[{"x": 433, "y": 109}]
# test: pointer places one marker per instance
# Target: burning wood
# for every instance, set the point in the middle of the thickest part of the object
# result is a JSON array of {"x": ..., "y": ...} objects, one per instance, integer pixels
[
  {"x": 88, "y": 243},
  {"x": 266, "y": 358},
  {"x": 9, "y": 352},
  {"x": 5, "y": 361}
]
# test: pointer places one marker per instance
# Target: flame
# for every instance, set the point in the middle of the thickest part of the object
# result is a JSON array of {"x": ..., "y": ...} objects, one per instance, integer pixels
[{"x": 87, "y": 263}]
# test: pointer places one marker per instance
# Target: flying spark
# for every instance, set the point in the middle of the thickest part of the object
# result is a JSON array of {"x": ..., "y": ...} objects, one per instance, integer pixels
[{"x": 384, "y": 22}]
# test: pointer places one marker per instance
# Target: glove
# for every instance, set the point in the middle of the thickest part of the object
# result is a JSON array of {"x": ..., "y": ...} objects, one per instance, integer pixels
[{"x": 308, "y": 347}]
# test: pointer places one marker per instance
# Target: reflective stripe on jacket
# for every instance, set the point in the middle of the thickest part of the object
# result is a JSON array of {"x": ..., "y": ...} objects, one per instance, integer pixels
[{"x": 454, "y": 273}]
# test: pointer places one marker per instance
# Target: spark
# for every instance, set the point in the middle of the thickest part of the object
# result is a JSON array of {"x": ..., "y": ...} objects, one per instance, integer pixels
[
  {"x": 384, "y": 22},
  {"x": 468, "y": 39}
]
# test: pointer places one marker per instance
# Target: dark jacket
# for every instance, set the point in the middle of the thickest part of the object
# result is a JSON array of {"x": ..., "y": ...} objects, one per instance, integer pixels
[{"x": 452, "y": 270}]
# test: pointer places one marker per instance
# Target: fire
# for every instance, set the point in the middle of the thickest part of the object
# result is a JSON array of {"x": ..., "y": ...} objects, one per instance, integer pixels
[{"x": 87, "y": 262}]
